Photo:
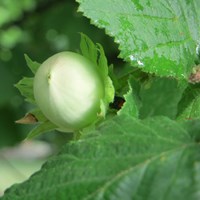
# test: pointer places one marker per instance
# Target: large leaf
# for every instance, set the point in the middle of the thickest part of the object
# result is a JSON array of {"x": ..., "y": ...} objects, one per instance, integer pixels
[
  {"x": 159, "y": 36},
  {"x": 124, "y": 159}
]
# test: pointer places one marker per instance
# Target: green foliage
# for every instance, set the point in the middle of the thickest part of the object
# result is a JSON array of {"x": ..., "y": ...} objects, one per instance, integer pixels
[
  {"x": 132, "y": 103},
  {"x": 124, "y": 158},
  {"x": 148, "y": 149},
  {"x": 160, "y": 37},
  {"x": 12, "y": 11},
  {"x": 42, "y": 34},
  {"x": 96, "y": 54},
  {"x": 189, "y": 105},
  {"x": 25, "y": 86},
  {"x": 33, "y": 66},
  {"x": 43, "y": 127},
  {"x": 93, "y": 52},
  {"x": 161, "y": 96}
]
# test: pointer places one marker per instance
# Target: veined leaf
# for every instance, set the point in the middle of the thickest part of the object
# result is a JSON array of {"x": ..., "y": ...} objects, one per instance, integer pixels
[
  {"x": 124, "y": 159},
  {"x": 160, "y": 37}
]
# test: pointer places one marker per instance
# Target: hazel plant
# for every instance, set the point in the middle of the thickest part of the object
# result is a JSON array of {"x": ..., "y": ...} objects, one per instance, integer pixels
[{"x": 70, "y": 91}]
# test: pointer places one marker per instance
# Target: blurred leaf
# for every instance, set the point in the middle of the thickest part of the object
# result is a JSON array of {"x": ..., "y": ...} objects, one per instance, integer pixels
[
  {"x": 12, "y": 10},
  {"x": 7, "y": 91},
  {"x": 124, "y": 159},
  {"x": 160, "y": 37},
  {"x": 16, "y": 170},
  {"x": 9, "y": 131},
  {"x": 10, "y": 37}
]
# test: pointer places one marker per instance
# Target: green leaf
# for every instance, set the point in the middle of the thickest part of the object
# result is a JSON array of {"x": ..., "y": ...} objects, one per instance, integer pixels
[
  {"x": 188, "y": 107},
  {"x": 96, "y": 54},
  {"x": 124, "y": 159},
  {"x": 193, "y": 128},
  {"x": 102, "y": 62},
  {"x": 159, "y": 37},
  {"x": 38, "y": 115},
  {"x": 88, "y": 48},
  {"x": 40, "y": 129},
  {"x": 132, "y": 103},
  {"x": 192, "y": 111},
  {"x": 25, "y": 86},
  {"x": 32, "y": 64},
  {"x": 161, "y": 96}
]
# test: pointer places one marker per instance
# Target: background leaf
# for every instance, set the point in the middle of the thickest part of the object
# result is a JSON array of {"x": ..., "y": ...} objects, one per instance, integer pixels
[
  {"x": 192, "y": 111},
  {"x": 124, "y": 159},
  {"x": 161, "y": 37},
  {"x": 161, "y": 96},
  {"x": 188, "y": 107}
]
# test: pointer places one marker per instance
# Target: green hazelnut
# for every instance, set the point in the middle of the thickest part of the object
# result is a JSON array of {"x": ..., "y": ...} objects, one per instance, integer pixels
[{"x": 68, "y": 88}]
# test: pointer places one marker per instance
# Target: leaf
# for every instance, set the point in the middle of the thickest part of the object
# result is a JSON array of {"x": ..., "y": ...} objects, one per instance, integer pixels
[
  {"x": 159, "y": 37},
  {"x": 132, "y": 103},
  {"x": 102, "y": 61},
  {"x": 88, "y": 48},
  {"x": 124, "y": 159},
  {"x": 193, "y": 128},
  {"x": 38, "y": 115},
  {"x": 40, "y": 129},
  {"x": 161, "y": 96},
  {"x": 32, "y": 64},
  {"x": 188, "y": 107},
  {"x": 96, "y": 54},
  {"x": 25, "y": 86},
  {"x": 192, "y": 111}
]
